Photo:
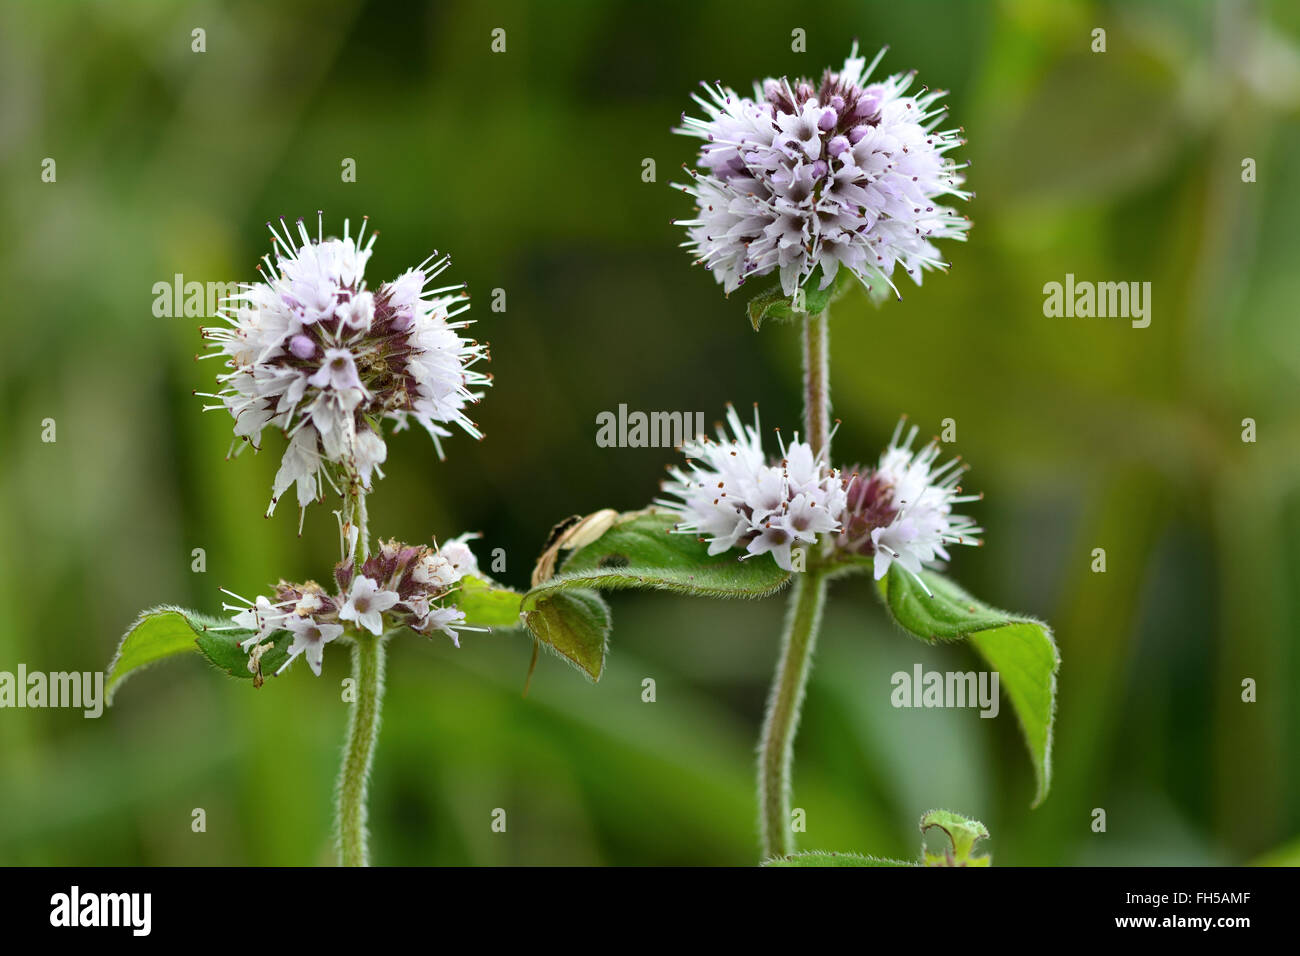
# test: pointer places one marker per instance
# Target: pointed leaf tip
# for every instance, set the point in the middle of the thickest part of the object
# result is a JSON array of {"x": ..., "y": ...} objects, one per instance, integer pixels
[
  {"x": 163, "y": 632},
  {"x": 1020, "y": 649}
]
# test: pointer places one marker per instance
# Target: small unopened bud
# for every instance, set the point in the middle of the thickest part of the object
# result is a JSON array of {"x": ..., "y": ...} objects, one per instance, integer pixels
[{"x": 302, "y": 347}]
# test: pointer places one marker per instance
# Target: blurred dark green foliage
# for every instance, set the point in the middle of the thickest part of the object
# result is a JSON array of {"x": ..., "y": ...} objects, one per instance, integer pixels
[{"x": 527, "y": 167}]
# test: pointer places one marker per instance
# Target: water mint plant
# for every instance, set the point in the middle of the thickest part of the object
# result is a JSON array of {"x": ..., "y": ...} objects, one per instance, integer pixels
[
  {"x": 314, "y": 354},
  {"x": 815, "y": 187}
]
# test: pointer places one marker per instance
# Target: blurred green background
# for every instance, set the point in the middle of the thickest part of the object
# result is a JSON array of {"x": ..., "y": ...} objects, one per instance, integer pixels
[{"x": 527, "y": 166}]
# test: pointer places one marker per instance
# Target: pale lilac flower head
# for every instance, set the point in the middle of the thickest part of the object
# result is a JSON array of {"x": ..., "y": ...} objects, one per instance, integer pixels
[
  {"x": 807, "y": 177},
  {"x": 312, "y": 352},
  {"x": 901, "y": 510},
  {"x": 393, "y": 588},
  {"x": 733, "y": 497}
]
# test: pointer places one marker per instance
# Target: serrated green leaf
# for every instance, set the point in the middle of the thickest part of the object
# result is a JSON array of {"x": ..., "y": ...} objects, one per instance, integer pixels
[
  {"x": 222, "y": 649},
  {"x": 962, "y": 832},
  {"x": 825, "y": 858},
  {"x": 639, "y": 550},
  {"x": 573, "y": 624},
  {"x": 1020, "y": 649},
  {"x": 164, "y": 632},
  {"x": 486, "y": 603},
  {"x": 157, "y": 634}
]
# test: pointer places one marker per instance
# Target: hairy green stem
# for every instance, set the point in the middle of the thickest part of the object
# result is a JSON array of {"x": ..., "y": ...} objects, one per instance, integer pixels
[
  {"x": 354, "y": 515},
  {"x": 776, "y": 748},
  {"x": 363, "y": 732},
  {"x": 803, "y": 620},
  {"x": 817, "y": 383},
  {"x": 363, "y": 726}
]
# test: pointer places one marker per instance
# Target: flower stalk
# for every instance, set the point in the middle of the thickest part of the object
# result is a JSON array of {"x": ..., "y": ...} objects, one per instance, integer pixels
[
  {"x": 803, "y": 620},
  {"x": 799, "y": 181},
  {"x": 776, "y": 746},
  {"x": 363, "y": 726},
  {"x": 359, "y": 751},
  {"x": 817, "y": 386}
]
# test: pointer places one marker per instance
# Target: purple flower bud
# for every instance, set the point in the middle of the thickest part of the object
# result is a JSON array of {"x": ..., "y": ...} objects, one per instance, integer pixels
[
  {"x": 302, "y": 347},
  {"x": 819, "y": 169},
  {"x": 868, "y": 105},
  {"x": 343, "y": 572},
  {"x": 401, "y": 320},
  {"x": 828, "y": 121},
  {"x": 856, "y": 134},
  {"x": 837, "y": 103},
  {"x": 837, "y": 145}
]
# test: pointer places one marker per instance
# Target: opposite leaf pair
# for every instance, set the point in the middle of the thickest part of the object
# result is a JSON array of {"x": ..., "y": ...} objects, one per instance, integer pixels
[{"x": 641, "y": 551}]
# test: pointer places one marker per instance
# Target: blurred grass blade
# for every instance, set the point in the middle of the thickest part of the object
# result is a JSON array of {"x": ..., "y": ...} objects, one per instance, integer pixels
[{"x": 1019, "y": 648}]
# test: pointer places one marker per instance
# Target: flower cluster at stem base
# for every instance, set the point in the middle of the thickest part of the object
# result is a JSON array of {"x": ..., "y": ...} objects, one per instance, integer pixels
[{"x": 399, "y": 586}]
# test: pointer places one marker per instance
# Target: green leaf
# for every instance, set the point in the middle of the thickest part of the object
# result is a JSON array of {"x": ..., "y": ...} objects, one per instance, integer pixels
[
  {"x": 772, "y": 303},
  {"x": 1019, "y": 648},
  {"x": 486, "y": 603},
  {"x": 963, "y": 833},
  {"x": 164, "y": 632},
  {"x": 221, "y": 648},
  {"x": 641, "y": 551},
  {"x": 638, "y": 550},
  {"x": 574, "y": 624},
  {"x": 826, "y": 858},
  {"x": 157, "y": 634}
]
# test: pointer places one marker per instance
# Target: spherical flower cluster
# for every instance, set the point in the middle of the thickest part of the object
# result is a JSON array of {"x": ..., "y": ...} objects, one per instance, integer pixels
[
  {"x": 314, "y": 353},
  {"x": 398, "y": 586},
  {"x": 901, "y": 511},
  {"x": 735, "y": 498},
  {"x": 803, "y": 175}
]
